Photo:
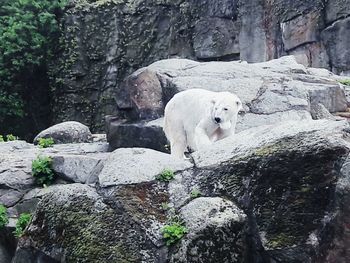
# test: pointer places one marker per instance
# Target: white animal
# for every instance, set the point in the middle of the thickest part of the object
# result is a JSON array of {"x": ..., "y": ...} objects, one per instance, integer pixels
[{"x": 196, "y": 117}]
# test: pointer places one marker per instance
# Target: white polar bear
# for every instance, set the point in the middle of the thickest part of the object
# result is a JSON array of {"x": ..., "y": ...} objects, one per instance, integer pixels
[{"x": 196, "y": 117}]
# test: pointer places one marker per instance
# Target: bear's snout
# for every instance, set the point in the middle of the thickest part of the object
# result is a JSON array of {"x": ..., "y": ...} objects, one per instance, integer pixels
[{"x": 217, "y": 119}]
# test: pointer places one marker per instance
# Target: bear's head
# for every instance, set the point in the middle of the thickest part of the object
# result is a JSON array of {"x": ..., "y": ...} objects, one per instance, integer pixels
[{"x": 226, "y": 107}]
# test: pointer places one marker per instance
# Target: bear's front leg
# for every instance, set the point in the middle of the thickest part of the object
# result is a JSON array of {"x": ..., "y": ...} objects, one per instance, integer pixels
[{"x": 201, "y": 134}]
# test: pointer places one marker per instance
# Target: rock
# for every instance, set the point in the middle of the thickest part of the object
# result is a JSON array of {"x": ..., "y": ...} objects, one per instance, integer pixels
[
  {"x": 318, "y": 111},
  {"x": 336, "y": 38},
  {"x": 216, "y": 37},
  {"x": 140, "y": 134},
  {"x": 202, "y": 216},
  {"x": 78, "y": 168},
  {"x": 300, "y": 30},
  {"x": 66, "y": 132},
  {"x": 279, "y": 182},
  {"x": 336, "y": 9},
  {"x": 141, "y": 92},
  {"x": 137, "y": 165},
  {"x": 73, "y": 223},
  {"x": 95, "y": 61},
  {"x": 7, "y": 245}
]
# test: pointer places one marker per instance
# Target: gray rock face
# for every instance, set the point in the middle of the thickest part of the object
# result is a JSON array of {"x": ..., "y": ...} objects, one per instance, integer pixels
[
  {"x": 105, "y": 41},
  {"x": 66, "y": 132},
  {"x": 272, "y": 193},
  {"x": 336, "y": 38},
  {"x": 204, "y": 214},
  {"x": 146, "y": 134},
  {"x": 272, "y": 92},
  {"x": 137, "y": 165}
]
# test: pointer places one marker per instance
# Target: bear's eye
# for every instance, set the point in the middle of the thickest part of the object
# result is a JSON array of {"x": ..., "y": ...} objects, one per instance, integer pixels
[
  {"x": 238, "y": 103},
  {"x": 225, "y": 109}
]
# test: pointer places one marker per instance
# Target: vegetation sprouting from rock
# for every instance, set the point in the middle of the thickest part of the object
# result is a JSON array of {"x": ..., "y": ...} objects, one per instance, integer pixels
[
  {"x": 174, "y": 231},
  {"x": 42, "y": 170},
  {"x": 3, "y": 216},
  {"x": 45, "y": 142},
  {"x": 166, "y": 175},
  {"x": 22, "y": 223}
]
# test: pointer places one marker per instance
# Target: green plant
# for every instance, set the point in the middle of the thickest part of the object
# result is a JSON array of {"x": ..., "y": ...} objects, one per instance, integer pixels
[
  {"x": 45, "y": 142},
  {"x": 11, "y": 137},
  {"x": 345, "y": 82},
  {"x": 29, "y": 36},
  {"x": 173, "y": 232},
  {"x": 22, "y": 223},
  {"x": 165, "y": 206},
  {"x": 195, "y": 193},
  {"x": 166, "y": 175},
  {"x": 1, "y": 138},
  {"x": 3, "y": 216},
  {"x": 42, "y": 170}
]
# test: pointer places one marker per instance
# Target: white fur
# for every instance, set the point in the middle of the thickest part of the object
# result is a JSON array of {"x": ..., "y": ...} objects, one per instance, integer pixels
[{"x": 189, "y": 119}]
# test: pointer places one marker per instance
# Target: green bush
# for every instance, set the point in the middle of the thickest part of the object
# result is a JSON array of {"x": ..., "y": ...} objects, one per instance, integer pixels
[
  {"x": 42, "y": 171},
  {"x": 45, "y": 142},
  {"x": 29, "y": 36},
  {"x": 11, "y": 137},
  {"x": 166, "y": 175},
  {"x": 22, "y": 223},
  {"x": 345, "y": 82},
  {"x": 173, "y": 232},
  {"x": 3, "y": 216},
  {"x": 1, "y": 138},
  {"x": 195, "y": 193}
]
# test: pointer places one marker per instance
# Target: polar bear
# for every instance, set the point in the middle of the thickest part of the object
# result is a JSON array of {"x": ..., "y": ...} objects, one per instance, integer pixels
[{"x": 195, "y": 118}]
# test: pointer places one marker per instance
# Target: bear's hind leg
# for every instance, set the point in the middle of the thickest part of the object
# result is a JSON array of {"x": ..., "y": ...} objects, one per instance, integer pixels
[{"x": 178, "y": 147}]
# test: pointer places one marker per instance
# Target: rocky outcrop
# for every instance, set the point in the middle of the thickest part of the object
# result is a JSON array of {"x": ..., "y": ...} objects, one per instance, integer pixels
[
  {"x": 271, "y": 92},
  {"x": 105, "y": 41},
  {"x": 66, "y": 132},
  {"x": 271, "y": 193}
]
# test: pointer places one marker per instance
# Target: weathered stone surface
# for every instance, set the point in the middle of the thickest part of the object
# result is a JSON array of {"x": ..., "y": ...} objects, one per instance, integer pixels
[
  {"x": 318, "y": 111},
  {"x": 216, "y": 37},
  {"x": 105, "y": 41},
  {"x": 140, "y": 134},
  {"x": 78, "y": 168},
  {"x": 300, "y": 30},
  {"x": 73, "y": 223},
  {"x": 66, "y": 132},
  {"x": 336, "y": 9},
  {"x": 141, "y": 93},
  {"x": 336, "y": 38},
  {"x": 204, "y": 214},
  {"x": 137, "y": 165}
]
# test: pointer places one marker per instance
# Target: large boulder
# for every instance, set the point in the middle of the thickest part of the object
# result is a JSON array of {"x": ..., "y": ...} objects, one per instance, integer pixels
[
  {"x": 271, "y": 92},
  {"x": 271, "y": 193},
  {"x": 105, "y": 41},
  {"x": 66, "y": 132}
]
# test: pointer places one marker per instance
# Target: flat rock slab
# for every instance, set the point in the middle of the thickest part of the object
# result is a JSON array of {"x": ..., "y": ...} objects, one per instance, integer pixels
[{"x": 136, "y": 165}]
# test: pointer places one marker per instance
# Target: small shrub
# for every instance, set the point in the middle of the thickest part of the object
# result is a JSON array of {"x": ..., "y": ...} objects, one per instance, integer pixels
[
  {"x": 3, "y": 216},
  {"x": 195, "y": 193},
  {"x": 166, "y": 175},
  {"x": 11, "y": 137},
  {"x": 1, "y": 138},
  {"x": 345, "y": 82},
  {"x": 173, "y": 232},
  {"x": 165, "y": 206},
  {"x": 42, "y": 170},
  {"x": 22, "y": 223},
  {"x": 45, "y": 142}
]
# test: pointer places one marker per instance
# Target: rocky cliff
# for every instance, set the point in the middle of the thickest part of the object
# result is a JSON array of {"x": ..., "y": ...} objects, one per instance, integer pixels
[
  {"x": 277, "y": 191},
  {"x": 104, "y": 41}
]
